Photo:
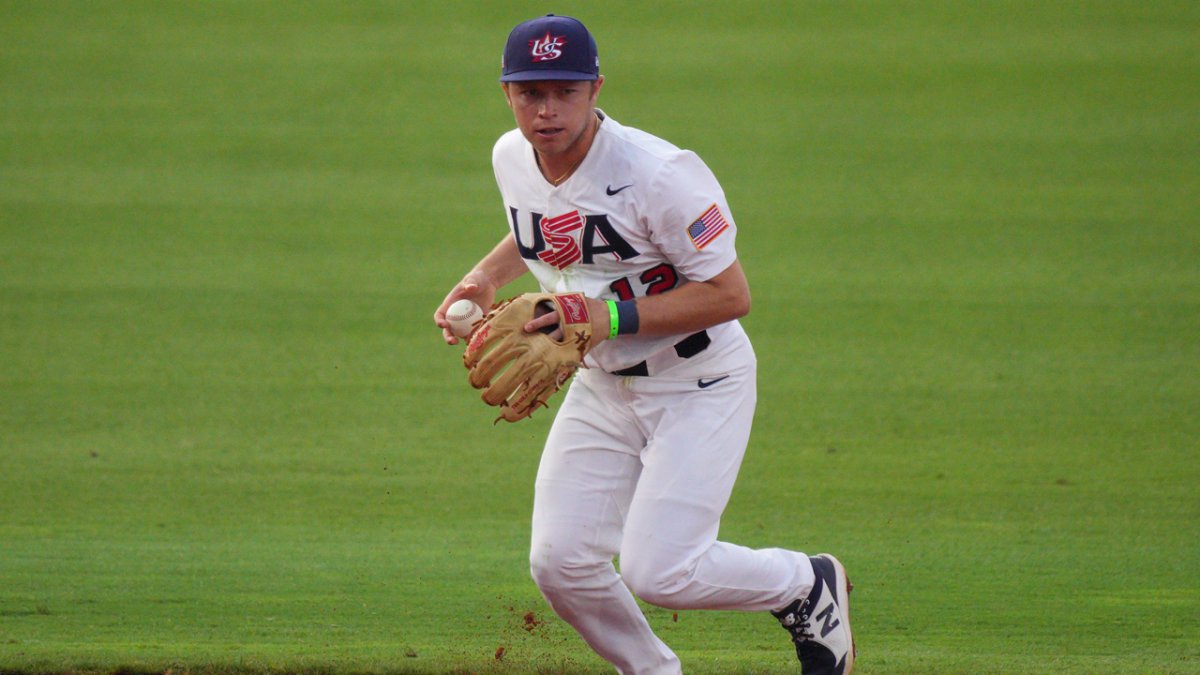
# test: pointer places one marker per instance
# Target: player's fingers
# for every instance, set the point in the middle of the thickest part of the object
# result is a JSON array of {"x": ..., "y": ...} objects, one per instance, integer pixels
[
  {"x": 538, "y": 323},
  {"x": 439, "y": 319},
  {"x": 463, "y": 290}
]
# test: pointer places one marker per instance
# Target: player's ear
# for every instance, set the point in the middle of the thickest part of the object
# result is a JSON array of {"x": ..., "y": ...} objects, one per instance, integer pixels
[
  {"x": 599, "y": 81},
  {"x": 507, "y": 95}
]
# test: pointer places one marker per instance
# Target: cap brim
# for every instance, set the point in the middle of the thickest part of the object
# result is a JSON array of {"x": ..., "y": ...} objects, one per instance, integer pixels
[{"x": 531, "y": 75}]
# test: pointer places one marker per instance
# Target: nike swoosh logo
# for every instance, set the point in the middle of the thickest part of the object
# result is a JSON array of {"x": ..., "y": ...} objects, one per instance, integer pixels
[
  {"x": 705, "y": 384},
  {"x": 612, "y": 192}
]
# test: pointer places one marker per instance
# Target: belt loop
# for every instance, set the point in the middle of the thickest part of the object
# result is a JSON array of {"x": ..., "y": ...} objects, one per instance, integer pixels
[
  {"x": 636, "y": 370},
  {"x": 693, "y": 344}
]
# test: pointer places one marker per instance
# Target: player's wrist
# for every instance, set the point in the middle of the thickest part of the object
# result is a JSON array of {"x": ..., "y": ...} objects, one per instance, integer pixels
[
  {"x": 614, "y": 319},
  {"x": 622, "y": 317},
  {"x": 482, "y": 279},
  {"x": 628, "y": 313}
]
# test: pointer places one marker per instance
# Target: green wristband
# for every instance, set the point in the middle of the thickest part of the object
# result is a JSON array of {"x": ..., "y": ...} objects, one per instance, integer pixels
[{"x": 614, "y": 322}]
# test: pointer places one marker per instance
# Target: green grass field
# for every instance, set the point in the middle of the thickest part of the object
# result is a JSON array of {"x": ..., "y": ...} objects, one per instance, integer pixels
[{"x": 231, "y": 440}]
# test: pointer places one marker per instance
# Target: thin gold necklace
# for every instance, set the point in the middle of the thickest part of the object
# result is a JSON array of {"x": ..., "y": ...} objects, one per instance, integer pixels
[{"x": 558, "y": 181}]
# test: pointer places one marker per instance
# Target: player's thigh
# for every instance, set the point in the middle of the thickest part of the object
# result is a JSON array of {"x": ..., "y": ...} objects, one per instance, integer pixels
[
  {"x": 587, "y": 475},
  {"x": 691, "y": 465}
]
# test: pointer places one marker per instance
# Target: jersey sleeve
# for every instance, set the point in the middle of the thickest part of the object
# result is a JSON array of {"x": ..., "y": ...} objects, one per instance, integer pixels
[
  {"x": 504, "y": 157},
  {"x": 689, "y": 219}
]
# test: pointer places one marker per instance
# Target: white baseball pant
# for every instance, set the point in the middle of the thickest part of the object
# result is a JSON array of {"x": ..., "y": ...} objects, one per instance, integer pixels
[{"x": 643, "y": 467}]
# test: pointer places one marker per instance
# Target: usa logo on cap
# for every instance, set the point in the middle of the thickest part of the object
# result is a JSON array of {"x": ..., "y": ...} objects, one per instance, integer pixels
[{"x": 547, "y": 48}]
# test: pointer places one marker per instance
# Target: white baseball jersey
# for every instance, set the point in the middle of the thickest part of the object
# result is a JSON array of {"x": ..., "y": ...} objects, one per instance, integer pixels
[{"x": 639, "y": 216}]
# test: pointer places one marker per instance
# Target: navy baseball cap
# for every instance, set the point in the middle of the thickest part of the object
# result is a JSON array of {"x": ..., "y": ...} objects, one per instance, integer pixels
[{"x": 550, "y": 48}]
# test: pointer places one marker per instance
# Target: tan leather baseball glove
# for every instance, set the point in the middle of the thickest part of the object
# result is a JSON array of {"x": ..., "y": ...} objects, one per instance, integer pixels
[{"x": 520, "y": 371}]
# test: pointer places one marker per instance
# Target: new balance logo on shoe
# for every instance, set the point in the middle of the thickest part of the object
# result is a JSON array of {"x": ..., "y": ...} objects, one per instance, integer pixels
[{"x": 829, "y": 622}]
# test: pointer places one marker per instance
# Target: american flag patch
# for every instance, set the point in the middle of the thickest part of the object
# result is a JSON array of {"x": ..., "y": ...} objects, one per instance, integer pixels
[{"x": 707, "y": 227}]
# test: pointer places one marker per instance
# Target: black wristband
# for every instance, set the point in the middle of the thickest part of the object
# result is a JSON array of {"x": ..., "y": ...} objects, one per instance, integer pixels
[{"x": 628, "y": 314}]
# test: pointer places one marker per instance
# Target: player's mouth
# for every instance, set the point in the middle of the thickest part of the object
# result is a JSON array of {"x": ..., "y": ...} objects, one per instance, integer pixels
[{"x": 549, "y": 132}]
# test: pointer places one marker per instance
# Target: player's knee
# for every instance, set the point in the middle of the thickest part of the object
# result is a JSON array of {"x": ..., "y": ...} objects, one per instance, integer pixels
[
  {"x": 562, "y": 565},
  {"x": 544, "y": 569},
  {"x": 655, "y": 579}
]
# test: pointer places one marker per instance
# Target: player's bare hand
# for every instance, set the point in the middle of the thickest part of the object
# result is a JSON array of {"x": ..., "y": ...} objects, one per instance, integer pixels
[{"x": 477, "y": 287}]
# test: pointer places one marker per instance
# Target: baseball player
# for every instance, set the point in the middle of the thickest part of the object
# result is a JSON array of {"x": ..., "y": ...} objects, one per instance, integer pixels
[{"x": 646, "y": 445}]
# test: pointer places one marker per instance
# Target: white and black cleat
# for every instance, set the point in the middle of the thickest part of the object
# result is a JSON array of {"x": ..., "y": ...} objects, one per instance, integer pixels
[{"x": 820, "y": 623}]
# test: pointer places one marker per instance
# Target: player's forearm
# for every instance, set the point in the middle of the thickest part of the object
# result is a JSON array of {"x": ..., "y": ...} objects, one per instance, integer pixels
[
  {"x": 502, "y": 265},
  {"x": 498, "y": 268},
  {"x": 696, "y": 305}
]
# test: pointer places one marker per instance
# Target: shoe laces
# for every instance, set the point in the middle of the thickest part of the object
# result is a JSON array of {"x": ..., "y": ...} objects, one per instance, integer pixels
[{"x": 798, "y": 622}]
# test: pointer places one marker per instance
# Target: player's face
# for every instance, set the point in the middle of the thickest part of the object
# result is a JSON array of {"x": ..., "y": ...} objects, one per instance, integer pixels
[{"x": 556, "y": 116}]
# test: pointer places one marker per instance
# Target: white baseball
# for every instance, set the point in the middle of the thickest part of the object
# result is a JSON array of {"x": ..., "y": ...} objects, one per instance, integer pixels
[{"x": 462, "y": 316}]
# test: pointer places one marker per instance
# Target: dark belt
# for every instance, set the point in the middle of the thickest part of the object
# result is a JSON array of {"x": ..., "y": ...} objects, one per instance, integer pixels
[{"x": 685, "y": 348}]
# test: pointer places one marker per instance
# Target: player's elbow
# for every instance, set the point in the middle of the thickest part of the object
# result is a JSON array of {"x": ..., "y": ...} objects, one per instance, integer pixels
[
  {"x": 737, "y": 304},
  {"x": 732, "y": 292},
  {"x": 728, "y": 306}
]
